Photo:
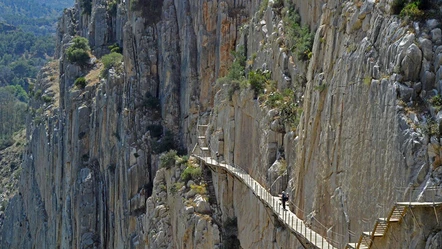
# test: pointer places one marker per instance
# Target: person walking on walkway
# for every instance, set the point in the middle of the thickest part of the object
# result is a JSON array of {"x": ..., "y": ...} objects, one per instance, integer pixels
[{"x": 284, "y": 199}]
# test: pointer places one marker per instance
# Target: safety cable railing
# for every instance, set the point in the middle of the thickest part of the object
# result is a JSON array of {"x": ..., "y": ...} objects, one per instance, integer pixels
[
  {"x": 295, "y": 224},
  {"x": 411, "y": 197}
]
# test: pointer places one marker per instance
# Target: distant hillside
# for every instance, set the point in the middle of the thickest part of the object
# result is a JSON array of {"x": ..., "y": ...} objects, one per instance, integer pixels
[
  {"x": 38, "y": 17},
  {"x": 27, "y": 29}
]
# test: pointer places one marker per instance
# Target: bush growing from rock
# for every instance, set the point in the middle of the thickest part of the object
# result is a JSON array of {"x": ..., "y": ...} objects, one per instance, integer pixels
[
  {"x": 80, "y": 83},
  {"x": 167, "y": 160},
  {"x": 78, "y": 51},
  {"x": 191, "y": 173},
  {"x": 109, "y": 61}
]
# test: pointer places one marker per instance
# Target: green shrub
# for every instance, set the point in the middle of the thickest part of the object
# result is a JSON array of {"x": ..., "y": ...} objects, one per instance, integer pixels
[
  {"x": 38, "y": 94},
  {"x": 300, "y": 38},
  {"x": 199, "y": 189},
  {"x": 412, "y": 11},
  {"x": 115, "y": 48},
  {"x": 47, "y": 99},
  {"x": 176, "y": 187},
  {"x": 237, "y": 69},
  {"x": 257, "y": 80},
  {"x": 415, "y": 9},
  {"x": 183, "y": 159},
  {"x": 233, "y": 87},
  {"x": 262, "y": 8},
  {"x": 109, "y": 61},
  {"x": 80, "y": 83},
  {"x": 167, "y": 160},
  {"x": 436, "y": 100},
  {"x": 78, "y": 51},
  {"x": 289, "y": 110},
  {"x": 191, "y": 173}
]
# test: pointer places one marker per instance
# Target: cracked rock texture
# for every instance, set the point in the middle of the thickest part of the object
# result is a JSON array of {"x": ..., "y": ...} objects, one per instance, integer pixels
[{"x": 369, "y": 133}]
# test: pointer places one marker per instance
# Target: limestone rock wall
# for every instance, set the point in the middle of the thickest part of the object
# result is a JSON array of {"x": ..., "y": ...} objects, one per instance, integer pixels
[
  {"x": 361, "y": 143},
  {"x": 367, "y": 136}
]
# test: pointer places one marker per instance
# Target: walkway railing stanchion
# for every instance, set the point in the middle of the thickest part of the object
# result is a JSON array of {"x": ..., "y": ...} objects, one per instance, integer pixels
[{"x": 296, "y": 225}]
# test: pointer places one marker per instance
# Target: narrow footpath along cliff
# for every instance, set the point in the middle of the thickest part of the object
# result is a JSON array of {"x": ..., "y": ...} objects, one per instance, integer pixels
[{"x": 336, "y": 102}]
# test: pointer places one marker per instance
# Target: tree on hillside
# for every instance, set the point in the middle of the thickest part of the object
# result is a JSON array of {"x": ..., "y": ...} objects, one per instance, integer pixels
[{"x": 12, "y": 113}]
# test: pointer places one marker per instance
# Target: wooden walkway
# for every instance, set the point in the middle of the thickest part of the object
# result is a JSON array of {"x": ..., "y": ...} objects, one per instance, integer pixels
[
  {"x": 289, "y": 219},
  {"x": 382, "y": 224}
]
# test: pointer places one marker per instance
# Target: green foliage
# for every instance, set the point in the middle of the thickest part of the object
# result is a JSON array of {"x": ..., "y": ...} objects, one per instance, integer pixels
[
  {"x": 17, "y": 91},
  {"x": 47, "y": 99},
  {"x": 415, "y": 9},
  {"x": 12, "y": 112},
  {"x": 431, "y": 128},
  {"x": 289, "y": 110},
  {"x": 80, "y": 83},
  {"x": 192, "y": 172},
  {"x": 112, "y": 60},
  {"x": 412, "y": 11},
  {"x": 367, "y": 80},
  {"x": 436, "y": 101},
  {"x": 300, "y": 38},
  {"x": 199, "y": 189},
  {"x": 6, "y": 142},
  {"x": 234, "y": 86},
  {"x": 183, "y": 159},
  {"x": 78, "y": 51},
  {"x": 176, "y": 187},
  {"x": 237, "y": 69},
  {"x": 167, "y": 160},
  {"x": 283, "y": 168},
  {"x": 37, "y": 17},
  {"x": 258, "y": 80},
  {"x": 21, "y": 56},
  {"x": 115, "y": 48},
  {"x": 236, "y": 74},
  {"x": 262, "y": 8},
  {"x": 38, "y": 94}
]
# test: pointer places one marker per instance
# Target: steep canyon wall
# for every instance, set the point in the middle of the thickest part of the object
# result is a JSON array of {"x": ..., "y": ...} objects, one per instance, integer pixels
[{"x": 91, "y": 175}]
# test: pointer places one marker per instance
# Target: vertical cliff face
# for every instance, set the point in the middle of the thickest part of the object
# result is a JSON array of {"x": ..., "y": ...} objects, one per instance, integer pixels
[{"x": 92, "y": 176}]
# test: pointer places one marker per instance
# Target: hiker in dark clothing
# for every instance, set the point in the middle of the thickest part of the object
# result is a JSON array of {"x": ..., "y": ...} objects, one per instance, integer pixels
[{"x": 284, "y": 199}]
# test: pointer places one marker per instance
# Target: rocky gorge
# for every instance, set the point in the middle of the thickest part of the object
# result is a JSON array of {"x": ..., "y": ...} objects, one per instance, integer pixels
[{"x": 337, "y": 102}]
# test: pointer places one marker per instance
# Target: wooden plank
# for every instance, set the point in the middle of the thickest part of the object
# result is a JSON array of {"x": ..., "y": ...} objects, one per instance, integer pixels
[
  {"x": 286, "y": 217},
  {"x": 418, "y": 204},
  {"x": 369, "y": 234},
  {"x": 351, "y": 246}
]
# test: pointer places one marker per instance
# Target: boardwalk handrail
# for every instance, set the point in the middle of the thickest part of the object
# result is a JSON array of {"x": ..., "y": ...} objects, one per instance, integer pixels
[{"x": 288, "y": 218}]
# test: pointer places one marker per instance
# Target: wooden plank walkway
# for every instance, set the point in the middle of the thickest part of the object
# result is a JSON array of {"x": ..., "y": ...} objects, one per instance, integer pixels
[
  {"x": 289, "y": 219},
  {"x": 381, "y": 226}
]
